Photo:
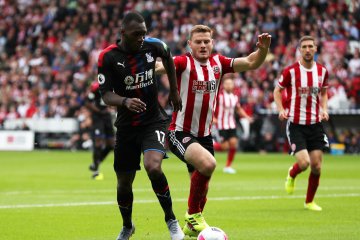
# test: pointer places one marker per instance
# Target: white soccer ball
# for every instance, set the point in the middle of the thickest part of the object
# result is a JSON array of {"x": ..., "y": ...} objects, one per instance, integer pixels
[{"x": 212, "y": 233}]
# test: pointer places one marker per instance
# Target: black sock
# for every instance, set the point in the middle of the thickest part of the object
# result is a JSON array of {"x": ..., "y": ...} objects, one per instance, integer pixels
[
  {"x": 96, "y": 157},
  {"x": 105, "y": 152},
  {"x": 125, "y": 202},
  {"x": 162, "y": 191}
]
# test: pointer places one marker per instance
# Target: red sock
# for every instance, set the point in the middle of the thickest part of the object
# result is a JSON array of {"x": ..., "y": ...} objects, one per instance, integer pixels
[
  {"x": 230, "y": 157},
  {"x": 217, "y": 146},
  {"x": 198, "y": 191},
  {"x": 295, "y": 170},
  {"x": 204, "y": 199},
  {"x": 312, "y": 187}
]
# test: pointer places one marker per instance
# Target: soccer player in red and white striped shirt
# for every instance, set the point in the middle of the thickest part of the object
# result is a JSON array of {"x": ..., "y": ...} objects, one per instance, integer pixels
[
  {"x": 305, "y": 106},
  {"x": 199, "y": 76},
  {"x": 224, "y": 118}
]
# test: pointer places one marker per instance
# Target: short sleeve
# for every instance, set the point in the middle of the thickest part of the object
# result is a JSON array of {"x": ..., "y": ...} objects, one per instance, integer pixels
[
  {"x": 285, "y": 78},
  {"x": 227, "y": 64},
  {"x": 105, "y": 76},
  {"x": 162, "y": 50},
  {"x": 180, "y": 63}
]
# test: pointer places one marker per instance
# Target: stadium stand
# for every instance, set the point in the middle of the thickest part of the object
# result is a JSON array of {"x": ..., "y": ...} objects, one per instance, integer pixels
[{"x": 49, "y": 50}]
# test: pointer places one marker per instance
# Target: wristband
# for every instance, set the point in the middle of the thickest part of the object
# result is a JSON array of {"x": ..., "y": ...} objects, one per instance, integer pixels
[{"x": 124, "y": 101}]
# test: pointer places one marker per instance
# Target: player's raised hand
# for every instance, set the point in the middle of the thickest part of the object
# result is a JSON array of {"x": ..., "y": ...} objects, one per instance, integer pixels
[
  {"x": 175, "y": 101},
  {"x": 264, "y": 41}
]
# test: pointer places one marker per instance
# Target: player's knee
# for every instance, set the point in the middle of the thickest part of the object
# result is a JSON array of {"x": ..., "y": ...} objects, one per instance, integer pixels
[
  {"x": 123, "y": 187},
  {"x": 153, "y": 170},
  {"x": 316, "y": 168},
  {"x": 304, "y": 164},
  {"x": 207, "y": 167}
]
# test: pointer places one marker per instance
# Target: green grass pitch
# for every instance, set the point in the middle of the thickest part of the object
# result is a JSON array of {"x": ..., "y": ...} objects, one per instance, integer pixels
[{"x": 49, "y": 195}]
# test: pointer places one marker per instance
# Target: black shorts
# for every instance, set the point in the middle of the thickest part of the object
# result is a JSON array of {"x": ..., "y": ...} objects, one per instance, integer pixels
[
  {"x": 179, "y": 141},
  {"x": 102, "y": 127},
  {"x": 310, "y": 137},
  {"x": 133, "y": 141},
  {"x": 226, "y": 134}
]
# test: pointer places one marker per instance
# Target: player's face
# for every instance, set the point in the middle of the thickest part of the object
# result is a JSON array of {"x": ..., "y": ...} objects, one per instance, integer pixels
[
  {"x": 201, "y": 45},
  {"x": 133, "y": 35},
  {"x": 228, "y": 85},
  {"x": 307, "y": 50}
]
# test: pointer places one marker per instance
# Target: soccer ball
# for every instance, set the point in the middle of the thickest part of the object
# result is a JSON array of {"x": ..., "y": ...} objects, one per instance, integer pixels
[{"x": 212, "y": 233}]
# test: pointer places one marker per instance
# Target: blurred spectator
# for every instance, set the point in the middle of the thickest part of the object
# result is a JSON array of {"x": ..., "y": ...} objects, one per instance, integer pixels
[{"x": 49, "y": 49}]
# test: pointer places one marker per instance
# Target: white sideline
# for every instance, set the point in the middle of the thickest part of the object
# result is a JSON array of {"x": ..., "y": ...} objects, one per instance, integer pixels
[
  {"x": 74, "y": 204},
  {"x": 113, "y": 190}
]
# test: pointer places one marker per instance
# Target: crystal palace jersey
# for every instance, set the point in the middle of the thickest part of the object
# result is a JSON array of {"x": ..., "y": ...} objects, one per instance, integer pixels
[
  {"x": 225, "y": 110},
  {"x": 198, "y": 87},
  {"x": 303, "y": 87},
  {"x": 132, "y": 75}
]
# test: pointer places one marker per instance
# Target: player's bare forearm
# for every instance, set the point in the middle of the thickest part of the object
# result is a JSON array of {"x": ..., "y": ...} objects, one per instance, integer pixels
[
  {"x": 323, "y": 103},
  {"x": 324, "y": 100},
  {"x": 112, "y": 99},
  {"x": 169, "y": 66},
  {"x": 255, "y": 59},
  {"x": 278, "y": 101},
  {"x": 174, "y": 97}
]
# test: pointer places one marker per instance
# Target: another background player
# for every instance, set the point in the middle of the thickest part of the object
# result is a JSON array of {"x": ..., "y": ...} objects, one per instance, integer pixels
[
  {"x": 102, "y": 129},
  {"x": 224, "y": 118},
  {"x": 305, "y": 107}
]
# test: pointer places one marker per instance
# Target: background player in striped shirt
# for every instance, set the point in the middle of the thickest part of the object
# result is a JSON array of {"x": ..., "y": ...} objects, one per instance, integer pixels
[
  {"x": 126, "y": 77},
  {"x": 199, "y": 75},
  {"x": 224, "y": 119},
  {"x": 304, "y": 106}
]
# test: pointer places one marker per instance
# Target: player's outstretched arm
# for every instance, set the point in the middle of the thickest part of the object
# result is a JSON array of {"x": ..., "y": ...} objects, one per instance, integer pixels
[{"x": 255, "y": 59}]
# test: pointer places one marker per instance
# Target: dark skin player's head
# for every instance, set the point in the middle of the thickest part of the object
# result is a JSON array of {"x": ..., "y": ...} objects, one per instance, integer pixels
[{"x": 133, "y": 30}]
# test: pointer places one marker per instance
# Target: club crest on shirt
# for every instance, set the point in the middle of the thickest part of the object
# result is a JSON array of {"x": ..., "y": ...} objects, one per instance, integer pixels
[
  {"x": 101, "y": 78},
  {"x": 320, "y": 79},
  {"x": 186, "y": 139},
  {"x": 129, "y": 80},
  {"x": 149, "y": 58},
  {"x": 216, "y": 69}
]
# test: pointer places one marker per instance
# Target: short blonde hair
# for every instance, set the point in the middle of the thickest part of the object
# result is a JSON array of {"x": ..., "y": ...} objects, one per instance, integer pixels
[
  {"x": 200, "y": 29},
  {"x": 306, "y": 38}
]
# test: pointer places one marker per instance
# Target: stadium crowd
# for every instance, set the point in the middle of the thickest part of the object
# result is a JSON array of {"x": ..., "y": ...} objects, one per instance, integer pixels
[{"x": 49, "y": 51}]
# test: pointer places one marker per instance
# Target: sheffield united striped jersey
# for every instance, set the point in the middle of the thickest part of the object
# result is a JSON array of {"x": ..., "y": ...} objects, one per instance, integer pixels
[
  {"x": 133, "y": 76},
  {"x": 303, "y": 87},
  {"x": 198, "y": 87},
  {"x": 225, "y": 110}
]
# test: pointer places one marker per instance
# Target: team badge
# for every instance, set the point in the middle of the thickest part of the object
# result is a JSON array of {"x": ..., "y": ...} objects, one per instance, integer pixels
[
  {"x": 101, "y": 78},
  {"x": 149, "y": 58},
  {"x": 320, "y": 79},
  {"x": 129, "y": 80},
  {"x": 186, "y": 139},
  {"x": 216, "y": 69}
]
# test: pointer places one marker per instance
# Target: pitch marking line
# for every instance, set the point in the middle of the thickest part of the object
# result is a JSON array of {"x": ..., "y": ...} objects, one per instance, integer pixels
[
  {"x": 113, "y": 190},
  {"x": 75, "y": 204}
]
